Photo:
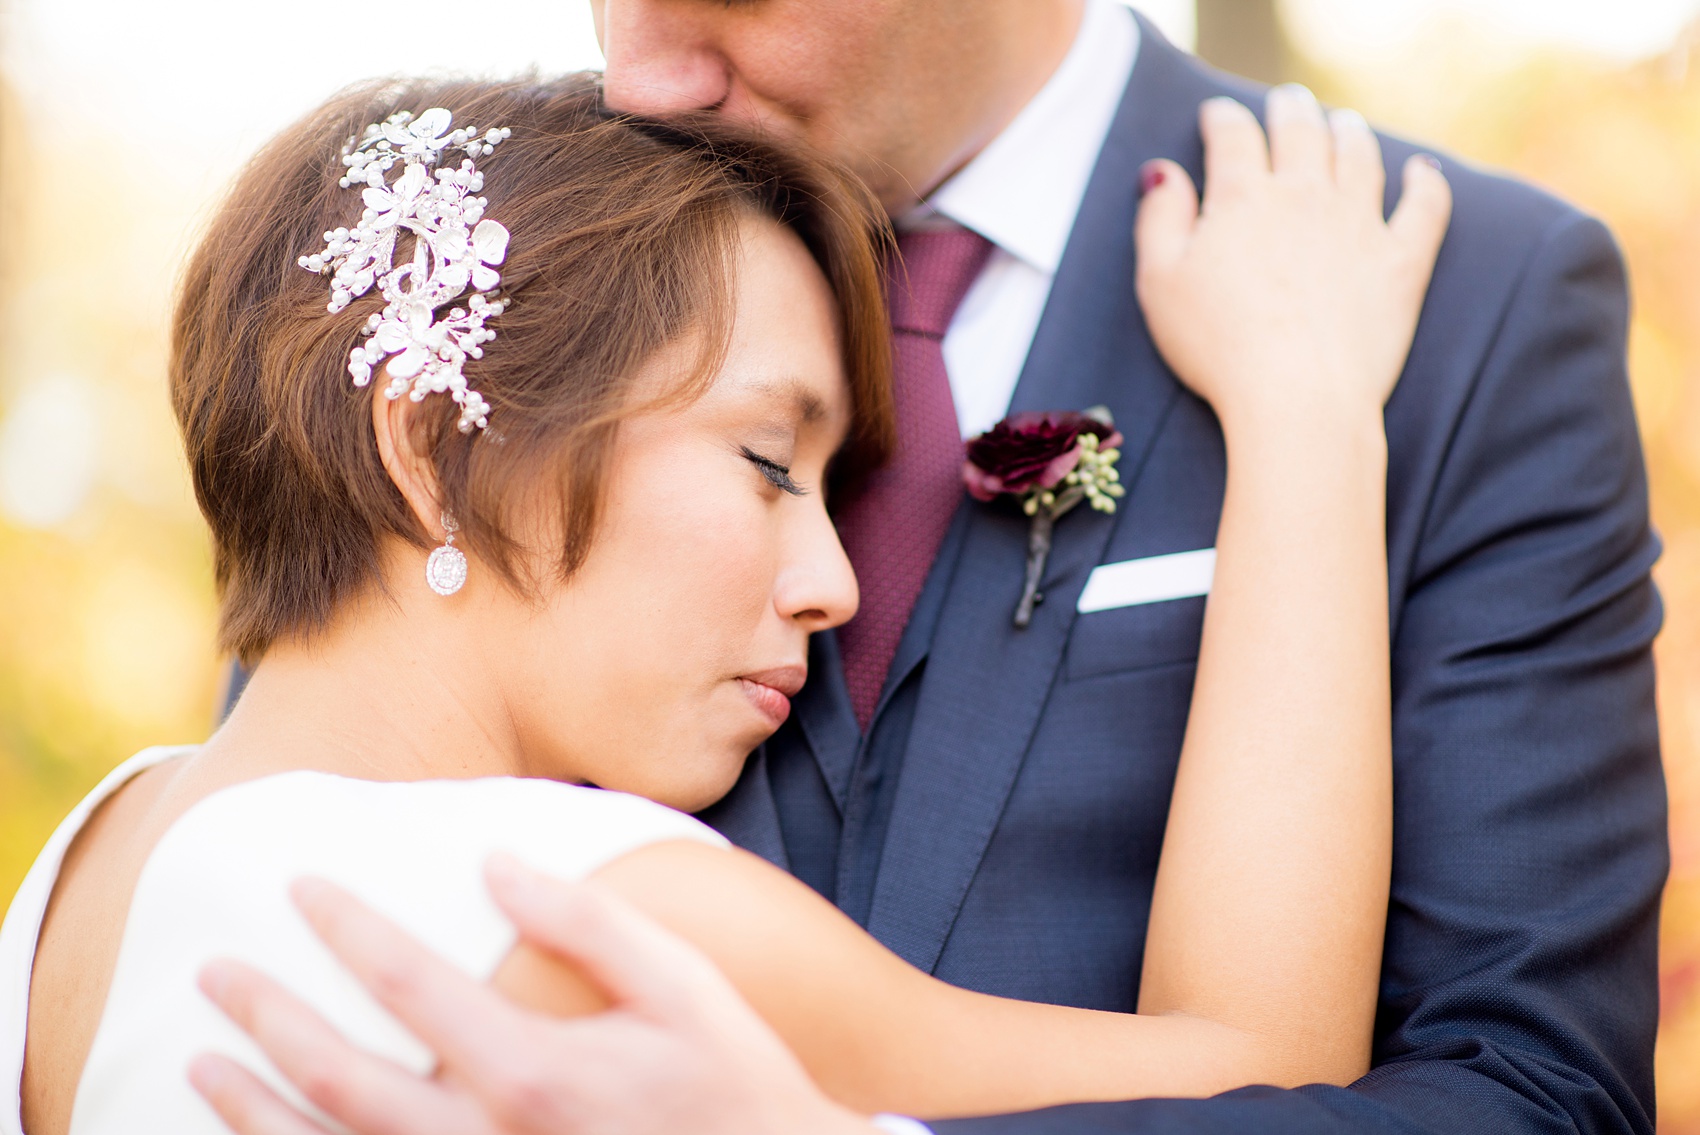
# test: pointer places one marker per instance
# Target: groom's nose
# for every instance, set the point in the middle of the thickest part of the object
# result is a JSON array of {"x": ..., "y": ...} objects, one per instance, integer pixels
[{"x": 662, "y": 57}]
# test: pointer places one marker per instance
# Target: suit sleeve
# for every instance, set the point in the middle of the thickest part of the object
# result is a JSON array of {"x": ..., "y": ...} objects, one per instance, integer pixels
[{"x": 1520, "y": 982}]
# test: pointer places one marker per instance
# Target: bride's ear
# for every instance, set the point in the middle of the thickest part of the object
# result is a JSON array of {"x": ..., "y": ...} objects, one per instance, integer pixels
[{"x": 409, "y": 468}]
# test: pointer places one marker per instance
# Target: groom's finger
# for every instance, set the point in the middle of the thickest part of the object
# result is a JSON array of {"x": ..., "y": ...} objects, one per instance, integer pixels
[
  {"x": 639, "y": 964},
  {"x": 458, "y": 1018},
  {"x": 247, "y": 1106},
  {"x": 367, "y": 1095}
]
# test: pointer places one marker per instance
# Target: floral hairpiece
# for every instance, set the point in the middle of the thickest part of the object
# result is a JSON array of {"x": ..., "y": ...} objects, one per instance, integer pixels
[{"x": 455, "y": 246}]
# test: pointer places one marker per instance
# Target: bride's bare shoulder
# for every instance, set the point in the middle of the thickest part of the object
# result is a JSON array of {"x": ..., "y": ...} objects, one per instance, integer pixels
[
  {"x": 827, "y": 988},
  {"x": 82, "y": 928},
  {"x": 751, "y": 918}
]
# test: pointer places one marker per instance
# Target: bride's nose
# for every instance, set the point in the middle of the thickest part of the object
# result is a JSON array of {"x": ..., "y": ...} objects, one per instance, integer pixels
[{"x": 815, "y": 586}]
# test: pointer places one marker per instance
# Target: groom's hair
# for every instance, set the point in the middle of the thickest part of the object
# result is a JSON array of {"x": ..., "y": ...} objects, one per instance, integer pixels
[{"x": 624, "y": 239}]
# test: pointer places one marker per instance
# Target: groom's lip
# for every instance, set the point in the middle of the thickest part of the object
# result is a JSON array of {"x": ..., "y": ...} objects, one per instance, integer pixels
[{"x": 770, "y": 691}]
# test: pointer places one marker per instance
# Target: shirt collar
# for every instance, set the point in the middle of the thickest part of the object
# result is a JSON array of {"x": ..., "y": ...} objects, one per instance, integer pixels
[{"x": 1022, "y": 191}]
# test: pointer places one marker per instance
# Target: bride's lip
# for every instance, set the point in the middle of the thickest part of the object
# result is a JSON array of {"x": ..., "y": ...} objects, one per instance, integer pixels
[{"x": 771, "y": 691}]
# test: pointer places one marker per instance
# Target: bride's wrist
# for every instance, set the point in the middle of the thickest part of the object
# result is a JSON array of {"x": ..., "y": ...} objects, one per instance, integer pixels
[
  {"x": 1334, "y": 434},
  {"x": 812, "y": 1111},
  {"x": 1333, "y": 422},
  {"x": 842, "y": 1121}
]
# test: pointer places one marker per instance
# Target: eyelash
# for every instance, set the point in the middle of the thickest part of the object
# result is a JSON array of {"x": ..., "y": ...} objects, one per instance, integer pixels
[{"x": 779, "y": 476}]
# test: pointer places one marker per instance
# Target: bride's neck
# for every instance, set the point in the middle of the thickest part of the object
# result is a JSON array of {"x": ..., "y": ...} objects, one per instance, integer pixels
[{"x": 384, "y": 693}]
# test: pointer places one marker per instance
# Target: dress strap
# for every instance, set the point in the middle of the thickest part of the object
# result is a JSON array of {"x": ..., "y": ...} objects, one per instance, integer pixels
[{"x": 22, "y": 928}]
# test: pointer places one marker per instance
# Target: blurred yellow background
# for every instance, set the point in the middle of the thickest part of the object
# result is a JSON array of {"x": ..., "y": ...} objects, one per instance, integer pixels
[{"x": 120, "y": 121}]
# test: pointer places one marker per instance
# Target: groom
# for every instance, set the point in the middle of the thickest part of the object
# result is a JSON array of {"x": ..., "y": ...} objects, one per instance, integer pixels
[{"x": 989, "y": 801}]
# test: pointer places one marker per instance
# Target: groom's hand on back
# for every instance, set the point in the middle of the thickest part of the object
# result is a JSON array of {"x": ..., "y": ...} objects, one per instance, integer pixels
[{"x": 679, "y": 1049}]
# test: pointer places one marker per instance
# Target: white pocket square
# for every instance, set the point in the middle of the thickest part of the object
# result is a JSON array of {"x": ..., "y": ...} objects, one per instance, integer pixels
[{"x": 1155, "y": 579}]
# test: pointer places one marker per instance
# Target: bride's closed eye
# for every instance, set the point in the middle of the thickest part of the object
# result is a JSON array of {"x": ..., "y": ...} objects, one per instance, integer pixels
[{"x": 777, "y": 475}]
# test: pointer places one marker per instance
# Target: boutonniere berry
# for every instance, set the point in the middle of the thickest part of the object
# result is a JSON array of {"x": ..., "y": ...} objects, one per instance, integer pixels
[{"x": 1048, "y": 463}]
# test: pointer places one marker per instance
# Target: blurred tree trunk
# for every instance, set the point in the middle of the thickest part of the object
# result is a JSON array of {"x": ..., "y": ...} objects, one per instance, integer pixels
[
  {"x": 11, "y": 231},
  {"x": 1246, "y": 37},
  {"x": 11, "y": 225}
]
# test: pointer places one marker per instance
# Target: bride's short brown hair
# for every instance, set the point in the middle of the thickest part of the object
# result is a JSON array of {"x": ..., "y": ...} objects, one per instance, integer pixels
[{"x": 623, "y": 239}]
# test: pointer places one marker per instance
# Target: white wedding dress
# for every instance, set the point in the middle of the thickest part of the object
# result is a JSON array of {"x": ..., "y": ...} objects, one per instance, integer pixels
[{"x": 216, "y": 887}]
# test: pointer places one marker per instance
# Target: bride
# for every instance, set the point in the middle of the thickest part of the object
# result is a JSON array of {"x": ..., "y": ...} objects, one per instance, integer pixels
[{"x": 548, "y": 603}]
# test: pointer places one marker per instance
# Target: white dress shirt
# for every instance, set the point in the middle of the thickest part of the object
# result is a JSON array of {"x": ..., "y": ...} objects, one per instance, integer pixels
[{"x": 1022, "y": 192}]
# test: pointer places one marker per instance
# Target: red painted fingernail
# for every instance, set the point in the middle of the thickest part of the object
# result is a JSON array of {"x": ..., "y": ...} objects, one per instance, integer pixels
[{"x": 1152, "y": 176}]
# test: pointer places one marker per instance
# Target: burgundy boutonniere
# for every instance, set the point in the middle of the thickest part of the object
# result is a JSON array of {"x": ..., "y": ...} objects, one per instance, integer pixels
[{"x": 1048, "y": 462}]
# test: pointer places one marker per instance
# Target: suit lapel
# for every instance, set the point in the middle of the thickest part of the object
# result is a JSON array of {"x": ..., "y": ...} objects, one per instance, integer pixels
[
  {"x": 826, "y": 717},
  {"x": 986, "y": 682},
  {"x": 749, "y": 816}
]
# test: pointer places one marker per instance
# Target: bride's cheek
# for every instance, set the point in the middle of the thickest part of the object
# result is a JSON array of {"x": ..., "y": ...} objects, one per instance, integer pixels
[{"x": 708, "y": 571}]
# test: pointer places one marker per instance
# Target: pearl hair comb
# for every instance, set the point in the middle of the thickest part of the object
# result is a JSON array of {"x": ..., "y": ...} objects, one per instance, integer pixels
[{"x": 455, "y": 247}]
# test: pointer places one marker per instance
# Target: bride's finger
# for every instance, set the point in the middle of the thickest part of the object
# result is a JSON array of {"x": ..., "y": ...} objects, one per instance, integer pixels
[
  {"x": 1236, "y": 154},
  {"x": 364, "y": 1093},
  {"x": 1300, "y": 146},
  {"x": 1424, "y": 211},
  {"x": 1168, "y": 211},
  {"x": 247, "y": 1106},
  {"x": 1358, "y": 168}
]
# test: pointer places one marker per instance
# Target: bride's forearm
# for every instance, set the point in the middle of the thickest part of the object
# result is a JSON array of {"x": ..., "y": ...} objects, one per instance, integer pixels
[
  {"x": 879, "y": 1035},
  {"x": 1271, "y": 896}
]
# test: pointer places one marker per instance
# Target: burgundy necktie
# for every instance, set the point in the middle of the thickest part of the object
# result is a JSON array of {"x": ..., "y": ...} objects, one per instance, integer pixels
[{"x": 892, "y": 528}]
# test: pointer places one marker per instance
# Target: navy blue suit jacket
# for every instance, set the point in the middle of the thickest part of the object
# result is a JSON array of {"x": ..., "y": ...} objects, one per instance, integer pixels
[{"x": 1000, "y": 825}]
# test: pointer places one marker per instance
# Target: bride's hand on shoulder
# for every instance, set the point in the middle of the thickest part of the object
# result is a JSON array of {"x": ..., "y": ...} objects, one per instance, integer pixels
[{"x": 1287, "y": 295}]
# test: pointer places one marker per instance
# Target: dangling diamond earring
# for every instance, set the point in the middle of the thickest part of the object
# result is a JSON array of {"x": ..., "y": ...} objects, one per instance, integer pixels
[{"x": 445, "y": 571}]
